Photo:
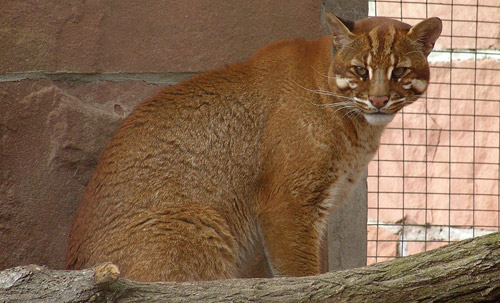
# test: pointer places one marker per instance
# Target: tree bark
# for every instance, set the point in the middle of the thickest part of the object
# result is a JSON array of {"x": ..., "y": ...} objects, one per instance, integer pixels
[{"x": 467, "y": 271}]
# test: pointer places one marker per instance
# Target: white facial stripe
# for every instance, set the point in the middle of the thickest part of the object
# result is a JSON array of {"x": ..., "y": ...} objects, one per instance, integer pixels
[
  {"x": 365, "y": 102},
  {"x": 368, "y": 63},
  {"x": 389, "y": 72},
  {"x": 389, "y": 104},
  {"x": 391, "y": 68},
  {"x": 356, "y": 62},
  {"x": 342, "y": 83},
  {"x": 374, "y": 37},
  {"x": 419, "y": 85}
]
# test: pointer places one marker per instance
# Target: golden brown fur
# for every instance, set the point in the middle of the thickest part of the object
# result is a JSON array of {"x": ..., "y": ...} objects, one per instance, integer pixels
[{"x": 244, "y": 163}]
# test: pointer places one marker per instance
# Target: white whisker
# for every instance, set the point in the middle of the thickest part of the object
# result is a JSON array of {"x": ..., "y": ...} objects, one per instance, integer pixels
[
  {"x": 344, "y": 105},
  {"x": 348, "y": 107},
  {"x": 352, "y": 113},
  {"x": 322, "y": 92},
  {"x": 321, "y": 74}
]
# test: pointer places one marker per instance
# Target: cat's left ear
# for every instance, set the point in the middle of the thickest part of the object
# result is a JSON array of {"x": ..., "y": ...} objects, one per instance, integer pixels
[
  {"x": 426, "y": 32},
  {"x": 340, "y": 30}
]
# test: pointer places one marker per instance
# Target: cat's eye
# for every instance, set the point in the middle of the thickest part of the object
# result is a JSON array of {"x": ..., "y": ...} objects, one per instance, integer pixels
[
  {"x": 361, "y": 71},
  {"x": 398, "y": 72}
]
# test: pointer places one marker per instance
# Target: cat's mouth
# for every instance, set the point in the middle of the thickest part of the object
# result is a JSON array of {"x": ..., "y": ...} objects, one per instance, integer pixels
[{"x": 378, "y": 118}]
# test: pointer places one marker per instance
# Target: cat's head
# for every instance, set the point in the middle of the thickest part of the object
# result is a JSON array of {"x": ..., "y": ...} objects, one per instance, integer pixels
[{"x": 380, "y": 63}]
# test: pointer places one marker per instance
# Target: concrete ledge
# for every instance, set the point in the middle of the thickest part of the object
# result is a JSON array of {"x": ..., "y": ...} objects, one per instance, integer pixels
[{"x": 149, "y": 78}]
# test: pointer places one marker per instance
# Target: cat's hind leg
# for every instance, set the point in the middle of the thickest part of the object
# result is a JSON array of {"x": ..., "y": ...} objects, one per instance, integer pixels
[{"x": 186, "y": 243}]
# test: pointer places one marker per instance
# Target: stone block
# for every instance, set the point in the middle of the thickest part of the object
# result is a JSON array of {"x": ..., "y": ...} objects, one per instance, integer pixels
[
  {"x": 350, "y": 10},
  {"x": 51, "y": 134},
  {"x": 146, "y": 36}
]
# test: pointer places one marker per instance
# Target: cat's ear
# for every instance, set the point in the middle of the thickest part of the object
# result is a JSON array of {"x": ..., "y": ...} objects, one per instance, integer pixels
[
  {"x": 340, "y": 28},
  {"x": 426, "y": 32}
]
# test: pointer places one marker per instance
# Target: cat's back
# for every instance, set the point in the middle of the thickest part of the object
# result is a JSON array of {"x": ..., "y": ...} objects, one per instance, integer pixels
[
  {"x": 198, "y": 129},
  {"x": 177, "y": 145}
]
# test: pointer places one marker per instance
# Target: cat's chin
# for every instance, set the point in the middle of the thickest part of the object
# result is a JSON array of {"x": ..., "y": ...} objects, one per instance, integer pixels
[{"x": 379, "y": 119}]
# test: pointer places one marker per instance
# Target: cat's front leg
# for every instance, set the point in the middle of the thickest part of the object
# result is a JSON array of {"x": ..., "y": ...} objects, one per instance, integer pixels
[{"x": 292, "y": 240}]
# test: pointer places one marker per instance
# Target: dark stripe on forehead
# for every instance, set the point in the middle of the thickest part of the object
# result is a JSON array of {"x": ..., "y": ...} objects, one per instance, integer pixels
[
  {"x": 392, "y": 33},
  {"x": 374, "y": 38},
  {"x": 382, "y": 40},
  {"x": 370, "y": 41}
]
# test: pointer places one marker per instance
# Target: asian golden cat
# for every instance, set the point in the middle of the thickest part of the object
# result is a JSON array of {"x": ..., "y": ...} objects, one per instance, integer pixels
[{"x": 248, "y": 160}]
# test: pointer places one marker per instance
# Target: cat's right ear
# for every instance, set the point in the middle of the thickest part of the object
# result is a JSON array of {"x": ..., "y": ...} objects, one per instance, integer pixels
[{"x": 339, "y": 29}]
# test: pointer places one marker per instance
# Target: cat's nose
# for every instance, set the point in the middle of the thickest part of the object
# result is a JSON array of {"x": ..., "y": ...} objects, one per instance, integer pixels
[{"x": 378, "y": 101}]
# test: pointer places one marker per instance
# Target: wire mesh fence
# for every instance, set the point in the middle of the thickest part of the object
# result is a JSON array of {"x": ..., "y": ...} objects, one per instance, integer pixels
[{"x": 435, "y": 179}]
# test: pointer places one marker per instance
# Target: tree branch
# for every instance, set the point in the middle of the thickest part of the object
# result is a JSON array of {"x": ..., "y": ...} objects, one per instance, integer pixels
[{"x": 467, "y": 271}]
